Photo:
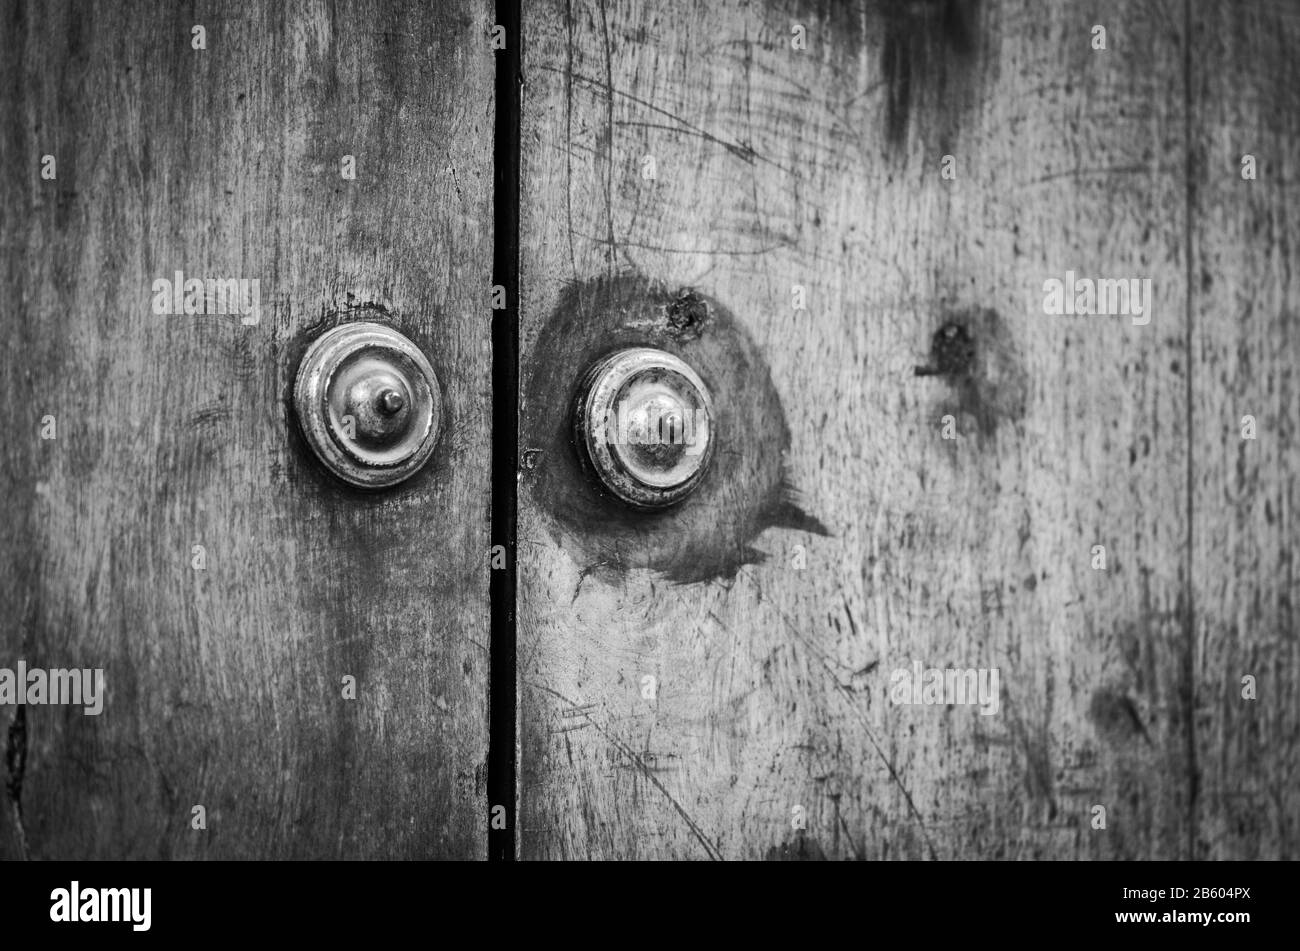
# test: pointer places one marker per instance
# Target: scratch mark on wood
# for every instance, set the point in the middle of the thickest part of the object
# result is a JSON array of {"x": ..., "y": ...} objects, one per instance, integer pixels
[
  {"x": 16, "y": 766},
  {"x": 611, "y": 241},
  {"x": 632, "y": 755},
  {"x": 743, "y": 152},
  {"x": 847, "y": 694}
]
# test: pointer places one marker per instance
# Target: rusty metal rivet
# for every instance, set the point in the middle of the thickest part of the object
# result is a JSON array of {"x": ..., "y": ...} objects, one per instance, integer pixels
[
  {"x": 644, "y": 421},
  {"x": 368, "y": 403}
]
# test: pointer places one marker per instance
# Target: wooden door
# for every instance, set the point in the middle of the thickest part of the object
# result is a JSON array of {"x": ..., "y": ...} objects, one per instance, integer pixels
[
  {"x": 919, "y": 464},
  {"x": 221, "y": 153},
  {"x": 844, "y": 217}
]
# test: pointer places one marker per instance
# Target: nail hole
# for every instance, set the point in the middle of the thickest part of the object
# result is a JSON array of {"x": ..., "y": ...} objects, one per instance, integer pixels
[{"x": 952, "y": 352}]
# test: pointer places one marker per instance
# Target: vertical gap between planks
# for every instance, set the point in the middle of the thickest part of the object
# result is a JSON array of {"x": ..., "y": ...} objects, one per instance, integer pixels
[{"x": 502, "y": 687}]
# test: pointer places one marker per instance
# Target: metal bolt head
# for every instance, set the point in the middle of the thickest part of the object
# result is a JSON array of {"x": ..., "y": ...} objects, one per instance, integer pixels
[
  {"x": 644, "y": 423},
  {"x": 368, "y": 403}
]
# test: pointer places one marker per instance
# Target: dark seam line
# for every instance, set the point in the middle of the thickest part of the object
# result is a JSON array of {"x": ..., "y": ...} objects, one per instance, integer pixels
[
  {"x": 502, "y": 686},
  {"x": 1189, "y": 617}
]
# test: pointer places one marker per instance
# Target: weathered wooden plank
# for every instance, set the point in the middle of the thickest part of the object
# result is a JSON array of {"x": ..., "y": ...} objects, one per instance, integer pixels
[
  {"x": 821, "y": 168},
  {"x": 224, "y": 685},
  {"x": 1245, "y": 338}
]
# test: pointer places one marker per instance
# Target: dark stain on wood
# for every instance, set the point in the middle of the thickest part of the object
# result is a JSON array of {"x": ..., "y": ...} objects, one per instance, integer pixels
[
  {"x": 1116, "y": 717},
  {"x": 802, "y": 848},
  {"x": 687, "y": 316},
  {"x": 952, "y": 351},
  {"x": 929, "y": 46},
  {"x": 975, "y": 354},
  {"x": 15, "y": 768},
  {"x": 709, "y": 535}
]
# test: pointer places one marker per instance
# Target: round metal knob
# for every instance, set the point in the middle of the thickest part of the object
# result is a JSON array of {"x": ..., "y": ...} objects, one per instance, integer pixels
[
  {"x": 368, "y": 403},
  {"x": 644, "y": 422}
]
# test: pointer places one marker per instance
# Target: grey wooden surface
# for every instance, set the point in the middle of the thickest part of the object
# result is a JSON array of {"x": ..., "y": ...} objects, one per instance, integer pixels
[
  {"x": 224, "y": 686},
  {"x": 839, "y": 537},
  {"x": 822, "y": 168}
]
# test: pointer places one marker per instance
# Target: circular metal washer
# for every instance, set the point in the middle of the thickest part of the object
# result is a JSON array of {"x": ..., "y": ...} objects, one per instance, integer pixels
[
  {"x": 644, "y": 422},
  {"x": 368, "y": 403}
]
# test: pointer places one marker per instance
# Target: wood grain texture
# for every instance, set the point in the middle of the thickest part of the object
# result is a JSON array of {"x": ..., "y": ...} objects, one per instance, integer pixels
[
  {"x": 1245, "y": 338},
  {"x": 224, "y": 685},
  {"x": 822, "y": 168}
]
